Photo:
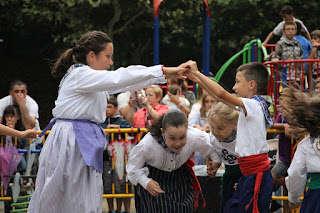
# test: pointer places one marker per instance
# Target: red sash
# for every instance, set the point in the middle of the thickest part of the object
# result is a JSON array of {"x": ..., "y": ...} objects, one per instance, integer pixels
[
  {"x": 254, "y": 164},
  {"x": 196, "y": 185}
]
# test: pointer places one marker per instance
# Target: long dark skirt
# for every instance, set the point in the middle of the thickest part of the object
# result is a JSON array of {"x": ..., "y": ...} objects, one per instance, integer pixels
[
  {"x": 311, "y": 202},
  {"x": 177, "y": 197},
  {"x": 244, "y": 193}
]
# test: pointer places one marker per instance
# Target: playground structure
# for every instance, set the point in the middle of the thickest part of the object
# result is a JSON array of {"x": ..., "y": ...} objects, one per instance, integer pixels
[{"x": 253, "y": 51}]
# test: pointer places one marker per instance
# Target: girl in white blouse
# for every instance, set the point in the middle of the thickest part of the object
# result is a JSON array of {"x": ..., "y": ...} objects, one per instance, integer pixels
[
  {"x": 303, "y": 114},
  {"x": 70, "y": 171},
  {"x": 158, "y": 165}
]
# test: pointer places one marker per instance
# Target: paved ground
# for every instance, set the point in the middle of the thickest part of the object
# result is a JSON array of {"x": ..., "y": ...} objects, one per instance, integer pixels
[{"x": 104, "y": 206}]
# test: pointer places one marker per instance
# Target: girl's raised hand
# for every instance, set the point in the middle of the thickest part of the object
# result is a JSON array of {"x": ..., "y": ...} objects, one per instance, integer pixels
[
  {"x": 154, "y": 189},
  {"x": 29, "y": 133},
  {"x": 174, "y": 72}
]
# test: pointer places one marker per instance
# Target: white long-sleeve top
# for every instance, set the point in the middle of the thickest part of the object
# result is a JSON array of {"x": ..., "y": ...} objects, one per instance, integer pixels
[
  {"x": 305, "y": 161},
  {"x": 223, "y": 152},
  {"x": 84, "y": 92},
  {"x": 151, "y": 152}
]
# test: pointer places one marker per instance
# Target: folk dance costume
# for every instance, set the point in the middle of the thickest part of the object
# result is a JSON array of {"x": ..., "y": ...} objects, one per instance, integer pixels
[
  {"x": 254, "y": 188},
  {"x": 151, "y": 159},
  {"x": 70, "y": 171},
  {"x": 224, "y": 151},
  {"x": 305, "y": 161}
]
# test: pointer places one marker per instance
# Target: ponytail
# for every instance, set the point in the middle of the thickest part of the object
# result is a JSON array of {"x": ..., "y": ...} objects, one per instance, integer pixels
[
  {"x": 95, "y": 41},
  {"x": 63, "y": 63}
]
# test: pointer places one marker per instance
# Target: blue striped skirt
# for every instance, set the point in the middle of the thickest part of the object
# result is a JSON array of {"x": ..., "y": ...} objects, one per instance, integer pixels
[{"x": 177, "y": 197}]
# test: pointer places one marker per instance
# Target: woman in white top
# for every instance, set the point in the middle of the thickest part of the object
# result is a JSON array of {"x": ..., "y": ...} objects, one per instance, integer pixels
[
  {"x": 70, "y": 171},
  {"x": 303, "y": 114},
  {"x": 160, "y": 166}
]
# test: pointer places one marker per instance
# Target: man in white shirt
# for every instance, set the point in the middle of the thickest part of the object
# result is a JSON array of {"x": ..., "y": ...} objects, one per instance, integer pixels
[{"x": 28, "y": 107}]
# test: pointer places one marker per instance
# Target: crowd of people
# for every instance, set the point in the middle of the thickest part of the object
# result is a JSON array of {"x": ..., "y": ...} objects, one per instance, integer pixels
[{"x": 76, "y": 167}]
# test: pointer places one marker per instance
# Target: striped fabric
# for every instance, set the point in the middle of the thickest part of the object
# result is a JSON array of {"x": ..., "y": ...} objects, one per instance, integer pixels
[{"x": 178, "y": 196}]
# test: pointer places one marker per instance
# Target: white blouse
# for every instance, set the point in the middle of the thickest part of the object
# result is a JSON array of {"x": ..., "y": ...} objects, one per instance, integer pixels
[
  {"x": 305, "y": 161},
  {"x": 84, "y": 92},
  {"x": 223, "y": 152},
  {"x": 151, "y": 152}
]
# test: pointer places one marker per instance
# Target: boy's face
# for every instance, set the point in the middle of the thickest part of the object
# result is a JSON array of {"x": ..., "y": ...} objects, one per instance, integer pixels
[
  {"x": 289, "y": 31},
  {"x": 287, "y": 17},
  {"x": 111, "y": 110},
  {"x": 242, "y": 86},
  {"x": 315, "y": 38}
]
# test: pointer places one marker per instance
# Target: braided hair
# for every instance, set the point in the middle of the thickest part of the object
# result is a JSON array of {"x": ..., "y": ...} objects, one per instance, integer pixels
[{"x": 95, "y": 41}]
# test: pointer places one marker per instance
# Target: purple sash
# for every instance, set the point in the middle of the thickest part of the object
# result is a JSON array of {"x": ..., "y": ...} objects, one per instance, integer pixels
[{"x": 90, "y": 138}]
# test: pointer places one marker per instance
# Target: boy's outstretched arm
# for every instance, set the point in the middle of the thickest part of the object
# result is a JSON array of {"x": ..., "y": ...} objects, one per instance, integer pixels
[{"x": 212, "y": 87}]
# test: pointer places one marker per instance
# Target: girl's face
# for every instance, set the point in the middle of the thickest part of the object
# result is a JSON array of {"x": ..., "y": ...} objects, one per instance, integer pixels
[
  {"x": 221, "y": 130},
  {"x": 152, "y": 98},
  {"x": 103, "y": 60},
  {"x": 176, "y": 138},
  {"x": 11, "y": 120},
  {"x": 209, "y": 102}
]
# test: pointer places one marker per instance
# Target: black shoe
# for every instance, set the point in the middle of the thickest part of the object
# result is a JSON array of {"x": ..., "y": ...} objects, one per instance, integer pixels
[{"x": 274, "y": 206}]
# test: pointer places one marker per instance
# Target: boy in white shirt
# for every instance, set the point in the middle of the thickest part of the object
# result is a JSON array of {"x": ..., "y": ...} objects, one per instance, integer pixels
[{"x": 254, "y": 189}]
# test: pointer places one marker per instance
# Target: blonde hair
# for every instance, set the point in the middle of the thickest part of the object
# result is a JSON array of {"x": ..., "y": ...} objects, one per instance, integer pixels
[
  {"x": 224, "y": 113},
  {"x": 157, "y": 90}
]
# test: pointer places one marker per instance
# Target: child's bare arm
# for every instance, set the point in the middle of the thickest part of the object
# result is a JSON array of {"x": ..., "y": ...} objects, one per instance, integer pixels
[{"x": 212, "y": 87}]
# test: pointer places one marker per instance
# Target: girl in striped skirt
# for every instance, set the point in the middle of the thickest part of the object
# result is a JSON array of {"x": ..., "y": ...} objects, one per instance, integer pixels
[
  {"x": 161, "y": 169},
  {"x": 303, "y": 115}
]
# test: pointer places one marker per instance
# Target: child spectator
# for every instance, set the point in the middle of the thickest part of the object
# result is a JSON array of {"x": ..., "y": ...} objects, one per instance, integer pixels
[
  {"x": 12, "y": 119},
  {"x": 315, "y": 54},
  {"x": 69, "y": 178},
  {"x": 161, "y": 169},
  {"x": 175, "y": 100},
  {"x": 254, "y": 189},
  {"x": 317, "y": 89},
  {"x": 303, "y": 113},
  {"x": 223, "y": 123},
  {"x": 288, "y": 48},
  {"x": 200, "y": 120},
  {"x": 113, "y": 121},
  {"x": 305, "y": 43},
  {"x": 287, "y": 15}
]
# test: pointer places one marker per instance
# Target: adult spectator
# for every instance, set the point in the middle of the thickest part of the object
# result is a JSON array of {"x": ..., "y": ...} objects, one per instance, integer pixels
[
  {"x": 18, "y": 95},
  {"x": 153, "y": 109},
  {"x": 182, "y": 83}
]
